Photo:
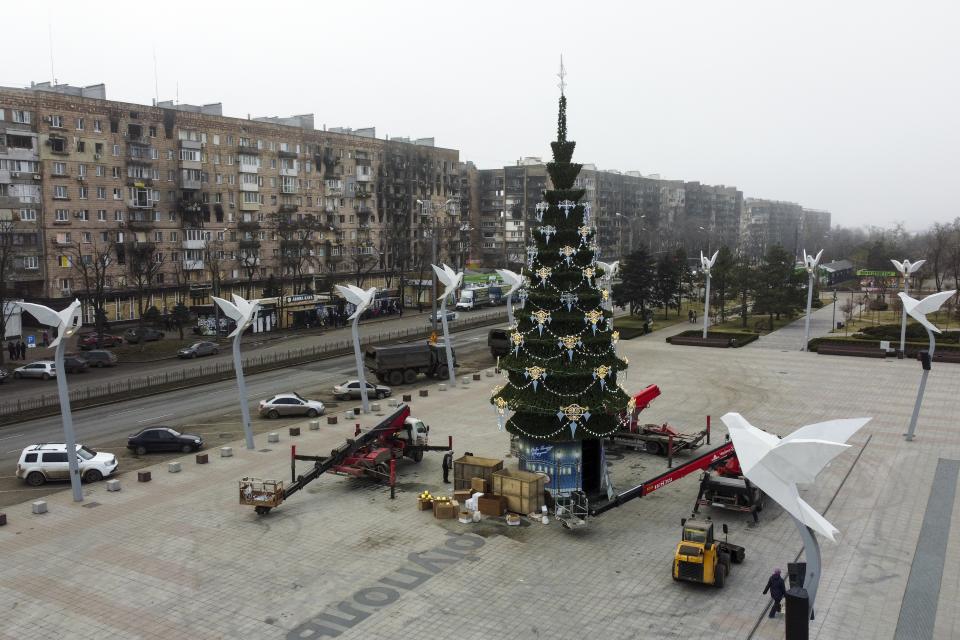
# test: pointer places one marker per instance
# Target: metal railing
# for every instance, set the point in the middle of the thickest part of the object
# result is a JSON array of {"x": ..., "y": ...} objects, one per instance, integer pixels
[{"x": 133, "y": 387}]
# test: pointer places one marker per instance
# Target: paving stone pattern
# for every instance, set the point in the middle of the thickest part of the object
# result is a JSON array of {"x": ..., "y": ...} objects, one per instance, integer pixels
[{"x": 179, "y": 558}]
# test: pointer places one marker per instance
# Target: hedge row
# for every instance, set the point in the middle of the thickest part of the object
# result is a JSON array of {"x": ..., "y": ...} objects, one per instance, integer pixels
[{"x": 911, "y": 347}]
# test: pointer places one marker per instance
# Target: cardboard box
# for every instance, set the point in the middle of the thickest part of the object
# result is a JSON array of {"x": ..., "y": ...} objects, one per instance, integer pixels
[
  {"x": 492, "y": 505},
  {"x": 446, "y": 510},
  {"x": 424, "y": 505},
  {"x": 462, "y": 496},
  {"x": 478, "y": 485}
]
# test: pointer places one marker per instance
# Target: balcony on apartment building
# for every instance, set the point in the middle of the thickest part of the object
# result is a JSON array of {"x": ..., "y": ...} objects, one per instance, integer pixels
[
  {"x": 249, "y": 168},
  {"x": 140, "y": 154},
  {"x": 139, "y": 221},
  {"x": 194, "y": 244},
  {"x": 289, "y": 172},
  {"x": 288, "y": 208},
  {"x": 249, "y": 186},
  {"x": 249, "y": 243},
  {"x": 193, "y": 265},
  {"x": 248, "y": 206},
  {"x": 286, "y": 154},
  {"x": 190, "y": 145},
  {"x": 140, "y": 202},
  {"x": 248, "y": 224},
  {"x": 288, "y": 189}
]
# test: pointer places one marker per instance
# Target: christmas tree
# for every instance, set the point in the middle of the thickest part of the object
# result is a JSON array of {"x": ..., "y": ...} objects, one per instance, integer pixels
[{"x": 562, "y": 370}]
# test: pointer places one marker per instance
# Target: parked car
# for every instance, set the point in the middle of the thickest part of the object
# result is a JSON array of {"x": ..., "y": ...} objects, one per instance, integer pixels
[
  {"x": 40, "y": 463},
  {"x": 290, "y": 404},
  {"x": 73, "y": 363},
  {"x": 100, "y": 358},
  {"x": 44, "y": 369},
  {"x": 4, "y": 374},
  {"x": 199, "y": 349},
  {"x": 351, "y": 389},
  {"x": 89, "y": 341},
  {"x": 146, "y": 334},
  {"x": 451, "y": 316},
  {"x": 163, "y": 439}
]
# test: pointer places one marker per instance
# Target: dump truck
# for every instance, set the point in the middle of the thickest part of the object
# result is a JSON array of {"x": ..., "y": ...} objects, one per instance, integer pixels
[
  {"x": 701, "y": 558},
  {"x": 499, "y": 342},
  {"x": 398, "y": 364}
]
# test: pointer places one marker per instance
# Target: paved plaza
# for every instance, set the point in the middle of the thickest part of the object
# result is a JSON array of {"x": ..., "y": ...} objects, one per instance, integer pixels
[{"x": 179, "y": 558}]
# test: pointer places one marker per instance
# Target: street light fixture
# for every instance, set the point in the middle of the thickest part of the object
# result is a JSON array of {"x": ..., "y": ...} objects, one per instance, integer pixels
[
  {"x": 427, "y": 210},
  {"x": 810, "y": 264},
  {"x": 66, "y": 323}
]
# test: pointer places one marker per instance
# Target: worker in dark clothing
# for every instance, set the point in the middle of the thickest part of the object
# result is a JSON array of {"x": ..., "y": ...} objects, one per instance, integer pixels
[
  {"x": 777, "y": 589},
  {"x": 12, "y": 350},
  {"x": 447, "y": 464}
]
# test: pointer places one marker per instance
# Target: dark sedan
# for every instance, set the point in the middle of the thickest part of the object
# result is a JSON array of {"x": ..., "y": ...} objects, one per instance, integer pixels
[
  {"x": 74, "y": 363},
  {"x": 198, "y": 349},
  {"x": 91, "y": 340},
  {"x": 163, "y": 439}
]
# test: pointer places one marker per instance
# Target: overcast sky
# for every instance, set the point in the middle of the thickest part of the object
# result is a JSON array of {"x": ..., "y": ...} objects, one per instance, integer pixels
[{"x": 845, "y": 106}]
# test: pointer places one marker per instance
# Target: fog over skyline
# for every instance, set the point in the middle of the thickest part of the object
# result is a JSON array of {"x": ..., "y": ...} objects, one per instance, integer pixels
[{"x": 849, "y": 107}]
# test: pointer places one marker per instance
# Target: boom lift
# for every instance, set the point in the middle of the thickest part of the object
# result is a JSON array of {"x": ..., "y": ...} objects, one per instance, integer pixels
[{"x": 372, "y": 454}]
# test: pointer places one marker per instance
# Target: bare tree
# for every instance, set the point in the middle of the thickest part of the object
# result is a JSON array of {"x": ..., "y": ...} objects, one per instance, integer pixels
[
  {"x": 90, "y": 262},
  {"x": 143, "y": 263},
  {"x": 8, "y": 252}
]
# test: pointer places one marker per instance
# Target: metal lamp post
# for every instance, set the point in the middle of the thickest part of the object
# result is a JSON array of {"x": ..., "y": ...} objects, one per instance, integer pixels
[
  {"x": 918, "y": 310},
  {"x": 66, "y": 323},
  {"x": 427, "y": 210},
  {"x": 906, "y": 269},
  {"x": 451, "y": 280},
  {"x": 515, "y": 281},
  {"x": 243, "y": 312},
  {"x": 362, "y": 299},
  {"x": 706, "y": 264},
  {"x": 810, "y": 263}
]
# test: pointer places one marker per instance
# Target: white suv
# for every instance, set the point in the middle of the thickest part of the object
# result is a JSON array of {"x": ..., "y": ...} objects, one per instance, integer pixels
[{"x": 42, "y": 462}]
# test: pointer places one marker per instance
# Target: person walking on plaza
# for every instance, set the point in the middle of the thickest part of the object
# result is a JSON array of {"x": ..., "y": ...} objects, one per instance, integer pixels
[
  {"x": 46, "y": 338},
  {"x": 22, "y": 350},
  {"x": 777, "y": 589},
  {"x": 11, "y": 350},
  {"x": 447, "y": 463},
  {"x": 690, "y": 316}
]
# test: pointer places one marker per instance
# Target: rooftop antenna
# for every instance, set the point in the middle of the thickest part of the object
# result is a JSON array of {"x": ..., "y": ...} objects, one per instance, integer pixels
[
  {"x": 156, "y": 82},
  {"x": 177, "y": 98},
  {"x": 53, "y": 77}
]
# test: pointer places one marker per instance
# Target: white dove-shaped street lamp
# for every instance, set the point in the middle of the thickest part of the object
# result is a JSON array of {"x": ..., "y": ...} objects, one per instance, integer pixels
[
  {"x": 362, "y": 299},
  {"x": 906, "y": 269},
  {"x": 706, "y": 264},
  {"x": 610, "y": 270},
  {"x": 778, "y": 465},
  {"x": 66, "y": 323},
  {"x": 450, "y": 280},
  {"x": 810, "y": 263},
  {"x": 514, "y": 281},
  {"x": 243, "y": 312},
  {"x": 918, "y": 310}
]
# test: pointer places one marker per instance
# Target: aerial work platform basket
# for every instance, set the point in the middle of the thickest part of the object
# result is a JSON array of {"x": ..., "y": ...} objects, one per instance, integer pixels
[{"x": 261, "y": 493}]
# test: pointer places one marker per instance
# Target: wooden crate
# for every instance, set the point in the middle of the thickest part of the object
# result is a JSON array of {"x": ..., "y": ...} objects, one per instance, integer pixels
[
  {"x": 522, "y": 489},
  {"x": 468, "y": 467}
]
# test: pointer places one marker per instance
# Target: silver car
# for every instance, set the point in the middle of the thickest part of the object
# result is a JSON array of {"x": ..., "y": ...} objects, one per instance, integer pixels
[
  {"x": 290, "y": 404},
  {"x": 44, "y": 369}
]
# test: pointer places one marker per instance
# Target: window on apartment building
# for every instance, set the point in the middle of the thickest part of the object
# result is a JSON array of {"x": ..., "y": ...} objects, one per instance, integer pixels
[
  {"x": 59, "y": 168},
  {"x": 230, "y": 140},
  {"x": 231, "y": 179},
  {"x": 31, "y": 262},
  {"x": 81, "y": 146},
  {"x": 172, "y": 216},
  {"x": 152, "y": 131},
  {"x": 118, "y": 215},
  {"x": 60, "y": 192},
  {"x": 273, "y": 200},
  {"x": 190, "y": 155},
  {"x": 84, "y": 192},
  {"x": 23, "y": 117},
  {"x": 101, "y": 193},
  {"x": 230, "y": 159},
  {"x": 218, "y": 197},
  {"x": 100, "y": 170},
  {"x": 216, "y": 158},
  {"x": 232, "y": 197},
  {"x": 155, "y": 174},
  {"x": 97, "y": 126},
  {"x": 56, "y": 122},
  {"x": 309, "y": 166},
  {"x": 216, "y": 139},
  {"x": 102, "y": 215},
  {"x": 61, "y": 215},
  {"x": 174, "y": 236},
  {"x": 115, "y": 172},
  {"x": 273, "y": 163},
  {"x": 171, "y": 196},
  {"x": 116, "y": 151},
  {"x": 79, "y": 124},
  {"x": 64, "y": 263},
  {"x": 86, "y": 237},
  {"x": 28, "y": 215},
  {"x": 117, "y": 193},
  {"x": 158, "y": 236}
]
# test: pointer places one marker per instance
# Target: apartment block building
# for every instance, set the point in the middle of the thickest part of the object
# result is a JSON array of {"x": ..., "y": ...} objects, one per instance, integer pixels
[
  {"x": 178, "y": 201},
  {"x": 814, "y": 228},
  {"x": 767, "y": 223}
]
